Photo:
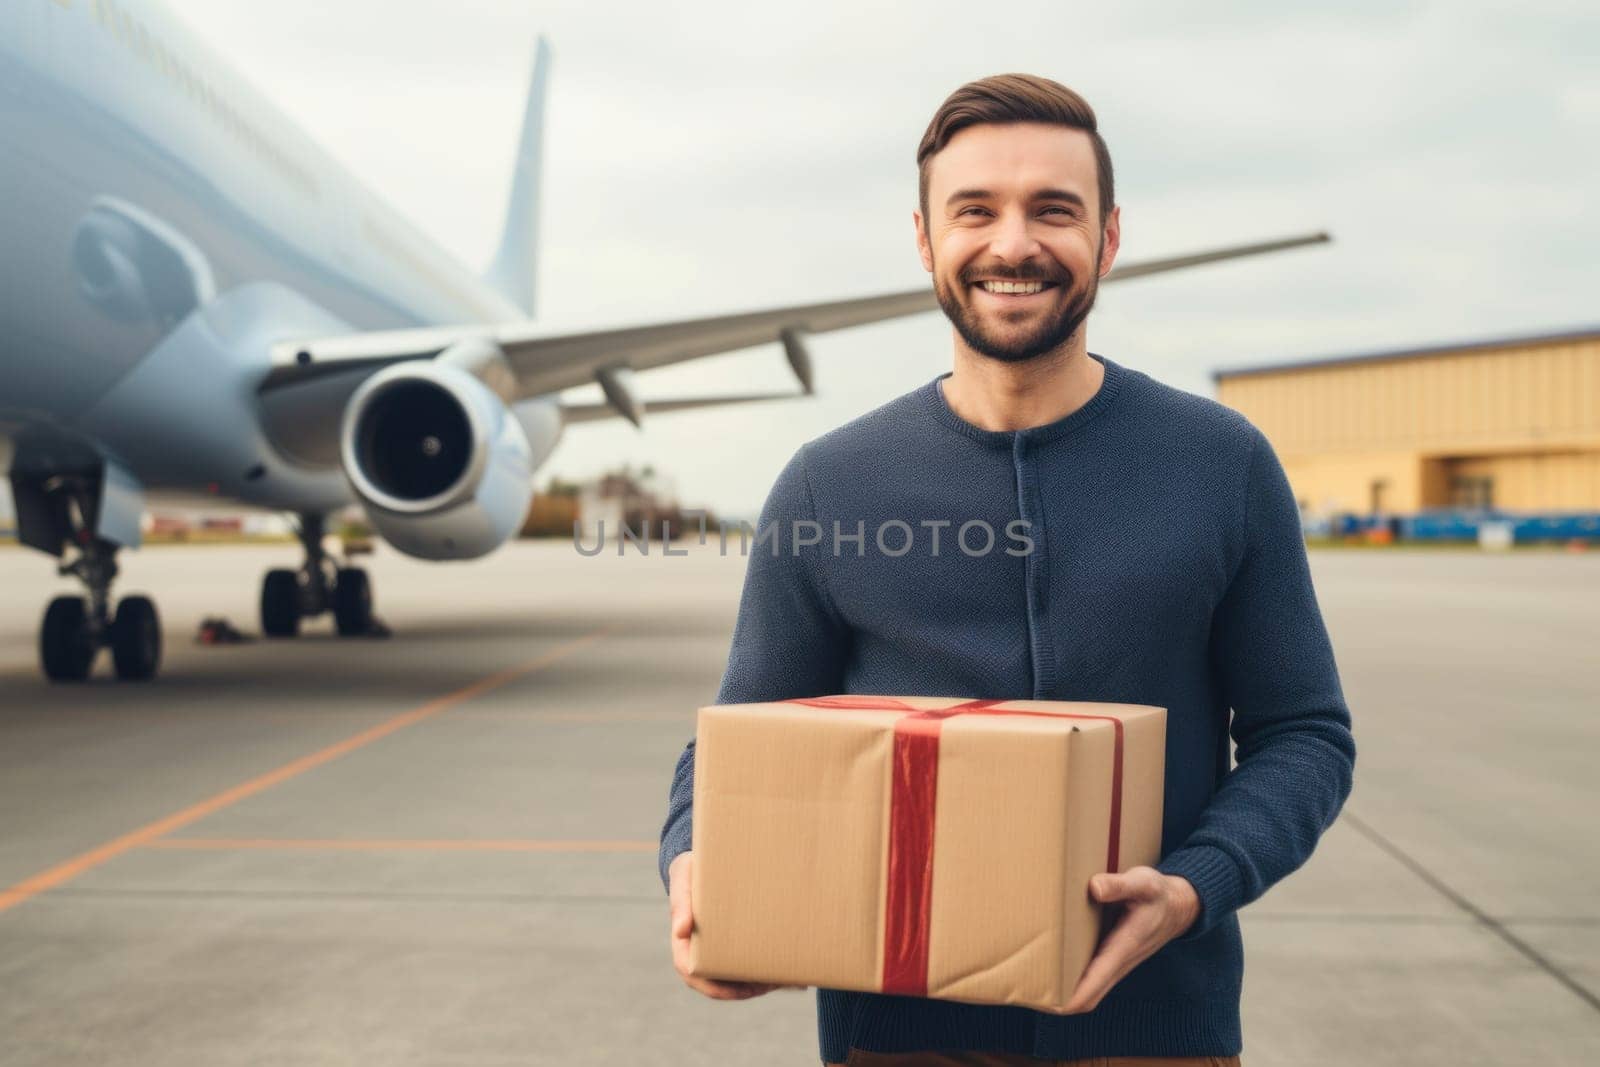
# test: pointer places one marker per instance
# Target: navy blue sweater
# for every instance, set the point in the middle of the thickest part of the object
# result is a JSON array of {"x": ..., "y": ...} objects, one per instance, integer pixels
[{"x": 1159, "y": 561}]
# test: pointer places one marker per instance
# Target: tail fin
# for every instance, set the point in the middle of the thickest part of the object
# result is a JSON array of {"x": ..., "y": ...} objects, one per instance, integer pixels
[{"x": 516, "y": 262}]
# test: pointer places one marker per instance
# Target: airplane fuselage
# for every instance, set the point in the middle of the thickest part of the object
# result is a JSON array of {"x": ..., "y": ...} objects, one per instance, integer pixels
[{"x": 122, "y": 138}]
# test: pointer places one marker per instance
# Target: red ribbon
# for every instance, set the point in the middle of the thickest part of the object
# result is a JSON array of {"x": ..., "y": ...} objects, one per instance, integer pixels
[{"x": 908, "y": 904}]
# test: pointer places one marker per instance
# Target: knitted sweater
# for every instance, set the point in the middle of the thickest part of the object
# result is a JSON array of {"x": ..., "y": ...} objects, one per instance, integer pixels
[{"x": 1144, "y": 549}]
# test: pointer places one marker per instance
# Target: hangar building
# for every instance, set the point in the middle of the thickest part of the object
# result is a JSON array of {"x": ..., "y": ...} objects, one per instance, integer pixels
[{"x": 1511, "y": 425}]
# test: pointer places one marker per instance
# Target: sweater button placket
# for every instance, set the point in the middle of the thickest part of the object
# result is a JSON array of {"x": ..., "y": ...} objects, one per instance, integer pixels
[{"x": 1023, "y": 462}]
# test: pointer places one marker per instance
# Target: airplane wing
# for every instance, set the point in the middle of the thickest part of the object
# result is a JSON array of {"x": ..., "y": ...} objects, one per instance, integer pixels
[
  {"x": 545, "y": 362},
  {"x": 608, "y": 410}
]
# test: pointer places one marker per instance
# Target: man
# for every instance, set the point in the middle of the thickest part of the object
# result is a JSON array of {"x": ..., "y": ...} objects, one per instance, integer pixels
[{"x": 1164, "y": 565}]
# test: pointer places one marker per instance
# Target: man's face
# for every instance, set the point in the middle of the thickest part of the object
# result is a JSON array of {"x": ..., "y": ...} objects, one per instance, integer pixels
[{"x": 1013, "y": 236}]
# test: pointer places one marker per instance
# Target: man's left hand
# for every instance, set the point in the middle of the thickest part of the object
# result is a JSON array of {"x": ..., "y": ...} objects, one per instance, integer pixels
[{"x": 1155, "y": 908}]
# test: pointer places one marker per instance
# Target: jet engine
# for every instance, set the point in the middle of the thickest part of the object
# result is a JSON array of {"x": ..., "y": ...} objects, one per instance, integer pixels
[{"x": 443, "y": 466}]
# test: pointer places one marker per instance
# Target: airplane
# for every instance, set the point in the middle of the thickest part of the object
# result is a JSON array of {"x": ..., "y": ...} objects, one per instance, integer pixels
[{"x": 198, "y": 304}]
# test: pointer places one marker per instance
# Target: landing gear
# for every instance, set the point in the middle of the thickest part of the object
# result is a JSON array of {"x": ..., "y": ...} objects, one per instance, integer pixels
[
  {"x": 136, "y": 639},
  {"x": 352, "y": 602},
  {"x": 75, "y": 628},
  {"x": 280, "y": 603},
  {"x": 319, "y": 585},
  {"x": 66, "y": 645},
  {"x": 82, "y": 507}
]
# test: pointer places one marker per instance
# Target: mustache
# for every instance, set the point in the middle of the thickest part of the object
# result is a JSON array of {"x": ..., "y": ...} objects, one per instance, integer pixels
[{"x": 1024, "y": 272}]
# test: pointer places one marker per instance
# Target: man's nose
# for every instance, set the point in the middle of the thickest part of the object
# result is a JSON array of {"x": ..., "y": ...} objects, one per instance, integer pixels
[{"x": 1012, "y": 240}]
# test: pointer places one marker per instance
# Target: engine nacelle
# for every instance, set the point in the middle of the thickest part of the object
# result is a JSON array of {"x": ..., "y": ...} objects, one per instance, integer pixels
[{"x": 442, "y": 465}]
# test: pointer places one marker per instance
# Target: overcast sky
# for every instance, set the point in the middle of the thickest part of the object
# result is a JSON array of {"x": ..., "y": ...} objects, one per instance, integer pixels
[{"x": 734, "y": 155}]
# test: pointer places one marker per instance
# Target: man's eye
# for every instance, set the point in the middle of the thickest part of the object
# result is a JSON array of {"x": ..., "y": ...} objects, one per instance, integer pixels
[
  {"x": 1065, "y": 211},
  {"x": 968, "y": 210}
]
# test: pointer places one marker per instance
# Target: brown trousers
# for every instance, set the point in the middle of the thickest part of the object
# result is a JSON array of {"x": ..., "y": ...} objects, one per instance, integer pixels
[{"x": 862, "y": 1058}]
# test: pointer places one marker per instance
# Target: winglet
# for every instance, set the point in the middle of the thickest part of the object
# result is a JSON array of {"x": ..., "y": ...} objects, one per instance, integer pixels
[{"x": 516, "y": 262}]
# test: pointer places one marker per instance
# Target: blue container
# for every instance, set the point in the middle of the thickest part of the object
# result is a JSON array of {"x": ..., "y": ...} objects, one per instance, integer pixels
[
  {"x": 1449, "y": 524},
  {"x": 1443, "y": 525}
]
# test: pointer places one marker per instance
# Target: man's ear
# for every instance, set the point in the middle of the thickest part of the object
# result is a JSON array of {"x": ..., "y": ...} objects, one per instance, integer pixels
[
  {"x": 924, "y": 250},
  {"x": 1111, "y": 240}
]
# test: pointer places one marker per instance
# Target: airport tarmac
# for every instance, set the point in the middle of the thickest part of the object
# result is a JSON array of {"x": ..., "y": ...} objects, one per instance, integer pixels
[{"x": 439, "y": 848}]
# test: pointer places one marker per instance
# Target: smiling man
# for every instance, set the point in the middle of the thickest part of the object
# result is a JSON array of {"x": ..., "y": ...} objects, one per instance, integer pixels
[{"x": 1161, "y": 562}]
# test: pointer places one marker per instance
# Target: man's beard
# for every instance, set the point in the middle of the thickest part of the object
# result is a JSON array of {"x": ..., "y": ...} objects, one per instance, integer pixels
[{"x": 1047, "y": 336}]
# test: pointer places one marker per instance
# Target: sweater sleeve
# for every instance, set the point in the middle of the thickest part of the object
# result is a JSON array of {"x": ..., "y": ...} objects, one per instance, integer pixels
[
  {"x": 788, "y": 640},
  {"x": 1295, "y": 753}
]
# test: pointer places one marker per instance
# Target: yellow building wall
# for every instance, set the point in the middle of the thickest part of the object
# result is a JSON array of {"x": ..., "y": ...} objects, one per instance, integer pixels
[
  {"x": 1338, "y": 483},
  {"x": 1443, "y": 403},
  {"x": 1525, "y": 416},
  {"x": 1558, "y": 481}
]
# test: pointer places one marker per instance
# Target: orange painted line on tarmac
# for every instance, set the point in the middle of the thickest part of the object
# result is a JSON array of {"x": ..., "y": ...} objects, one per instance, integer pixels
[
  {"x": 65, "y": 872},
  {"x": 579, "y": 716},
  {"x": 335, "y": 844}
]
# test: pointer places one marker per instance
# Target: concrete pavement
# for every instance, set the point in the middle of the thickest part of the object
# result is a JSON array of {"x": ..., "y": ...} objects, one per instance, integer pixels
[{"x": 439, "y": 848}]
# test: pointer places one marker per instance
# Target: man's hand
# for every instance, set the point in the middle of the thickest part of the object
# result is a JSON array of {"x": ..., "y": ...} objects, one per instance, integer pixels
[
  {"x": 1156, "y": 908},
  {"x": 683, "y": 923}
]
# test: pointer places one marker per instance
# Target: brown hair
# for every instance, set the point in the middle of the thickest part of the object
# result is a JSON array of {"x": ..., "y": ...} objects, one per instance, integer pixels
[{"x": 1007, "y": 98}]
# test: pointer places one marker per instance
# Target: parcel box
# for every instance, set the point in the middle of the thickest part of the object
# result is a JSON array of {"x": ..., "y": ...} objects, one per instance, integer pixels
[{"x": 921, "y": 846}]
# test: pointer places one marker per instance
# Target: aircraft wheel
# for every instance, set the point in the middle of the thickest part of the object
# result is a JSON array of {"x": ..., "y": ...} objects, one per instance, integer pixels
[
  {"x": 280, "y": 603},
  {"x": 136, "y": 639},
  {"x": 66, "y": 647},
  {"x": 352, "y": 602}
]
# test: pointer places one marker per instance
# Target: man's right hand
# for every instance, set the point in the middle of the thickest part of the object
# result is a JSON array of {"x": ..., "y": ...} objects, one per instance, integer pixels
[{"x": 683, "y": 923}]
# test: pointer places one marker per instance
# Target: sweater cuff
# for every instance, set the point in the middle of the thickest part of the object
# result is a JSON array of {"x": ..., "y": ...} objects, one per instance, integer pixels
[
  {"x": 1216, "y": 879},
  {"x": 675, "y": 841}
]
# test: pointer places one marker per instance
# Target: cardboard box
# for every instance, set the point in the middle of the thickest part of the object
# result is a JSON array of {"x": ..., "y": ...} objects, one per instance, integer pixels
[{"x": 923, "y": 846}]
